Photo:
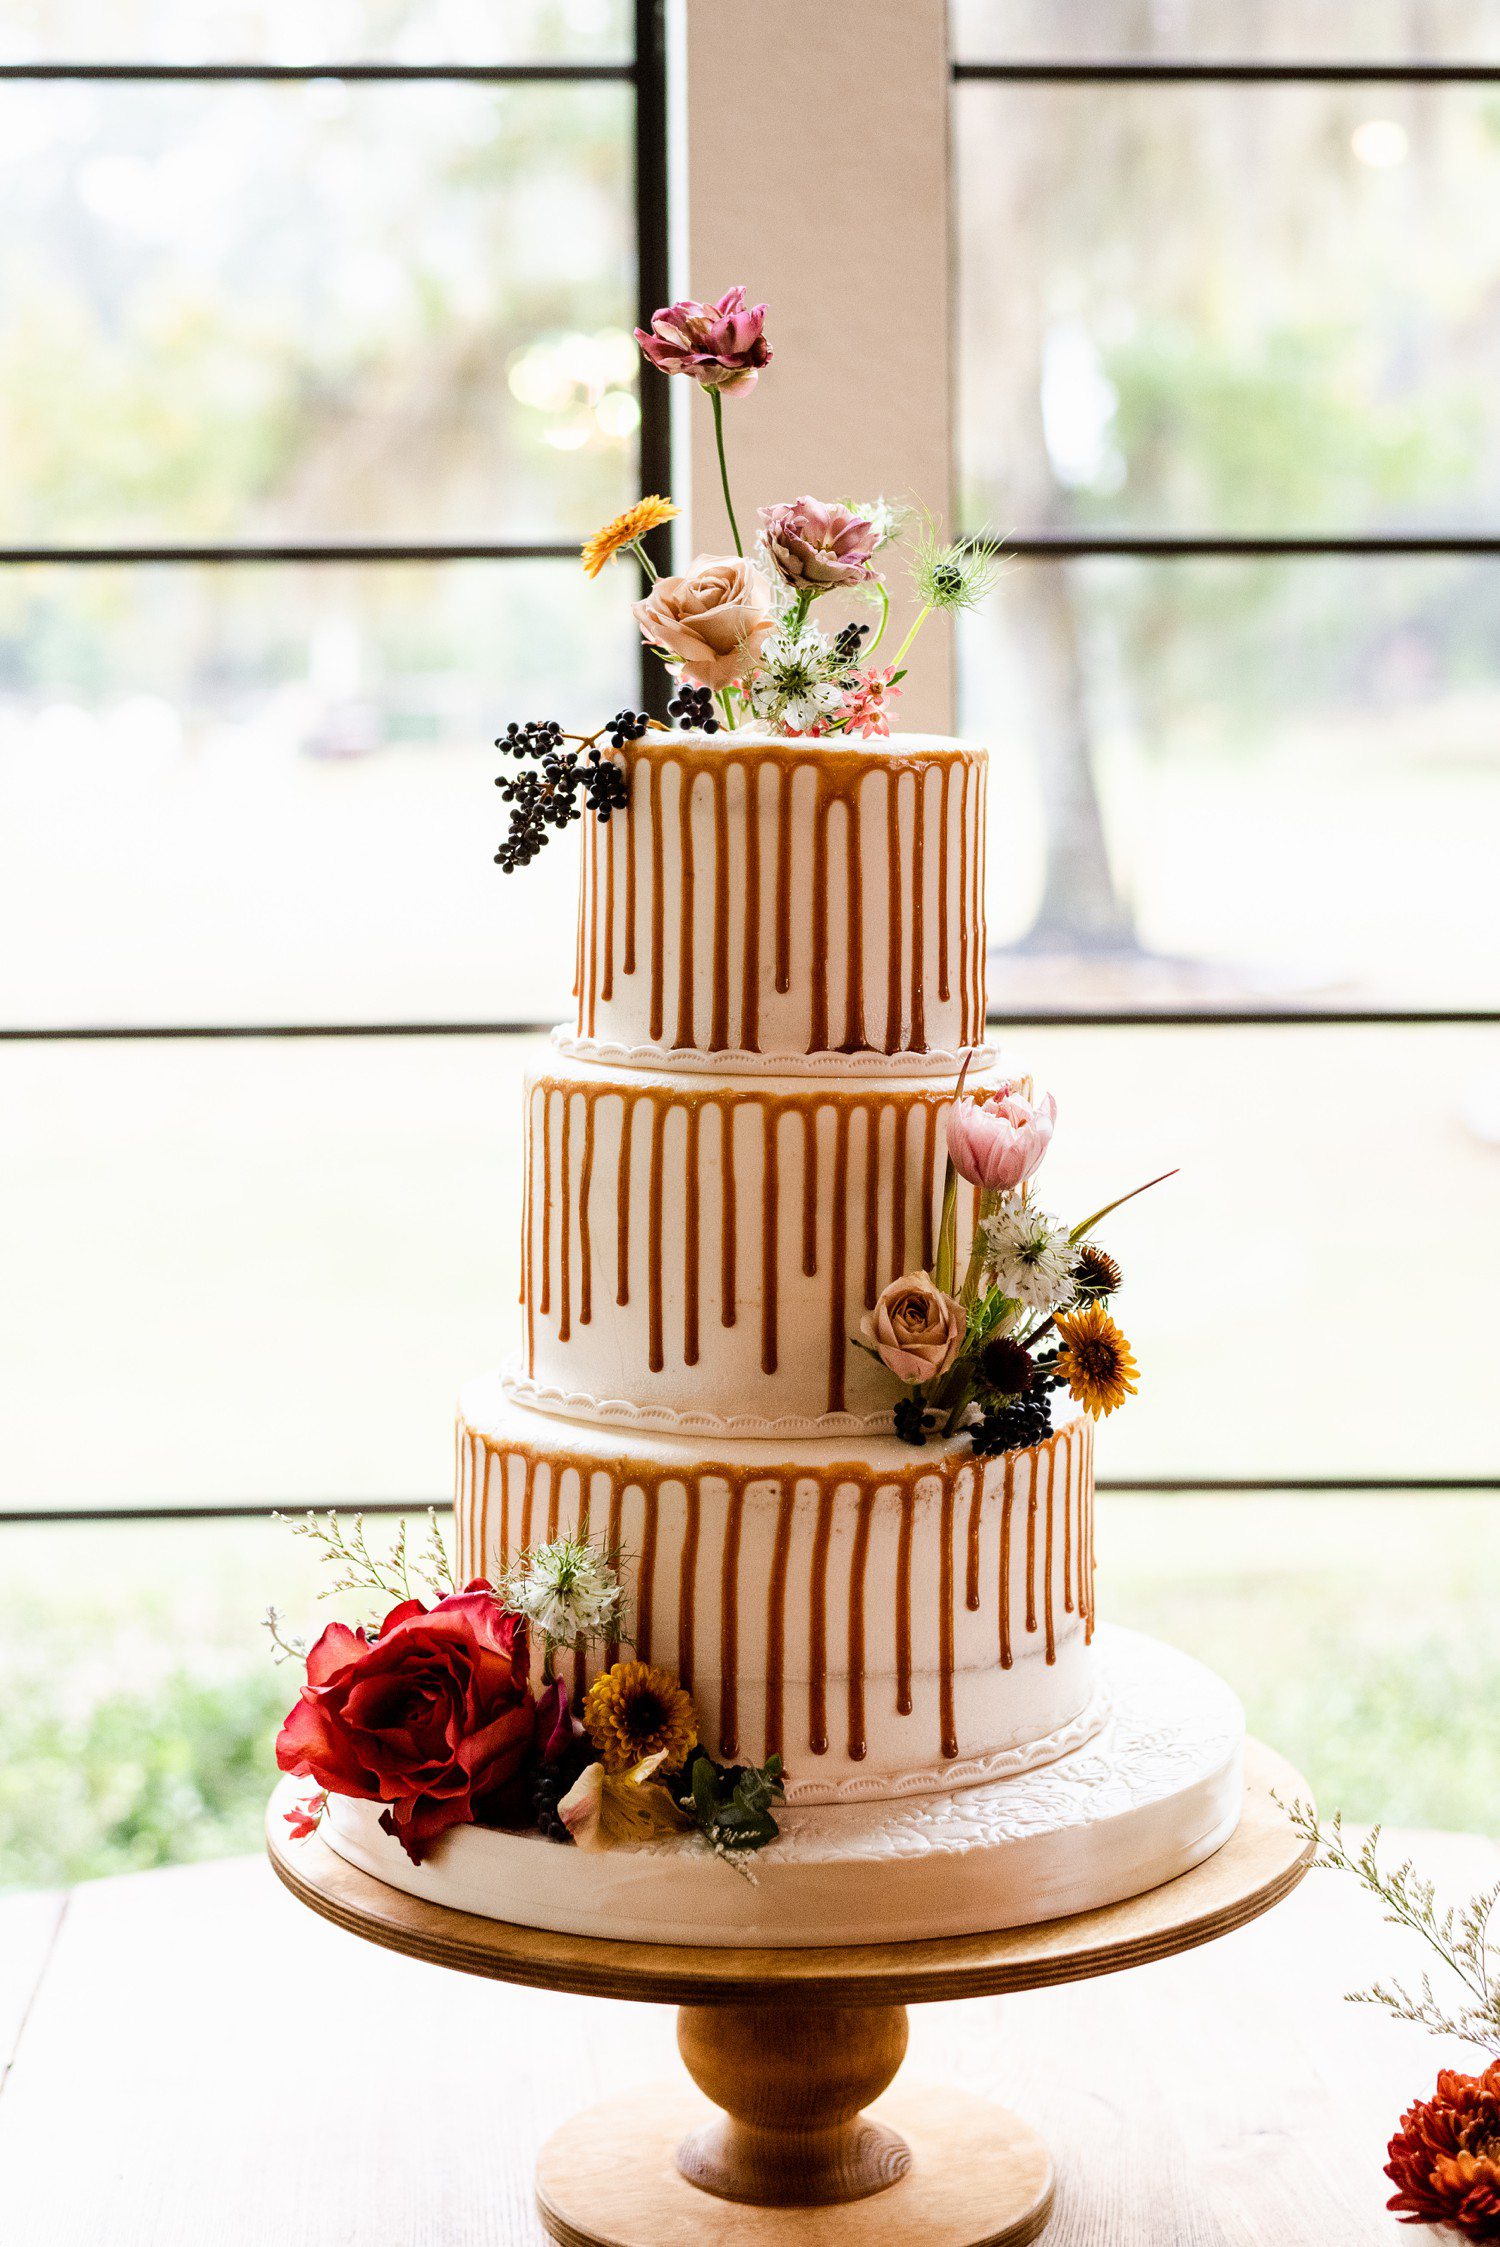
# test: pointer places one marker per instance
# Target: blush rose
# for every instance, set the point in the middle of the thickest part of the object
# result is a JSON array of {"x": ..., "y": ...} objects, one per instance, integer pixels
[
  {"x": 713, "y": 620},
  {"x": 915, "y": 1329},
  {"x": 815, "y": 543},
  {"x": 998, "y": 1143},
  {"x": 432, "y": 1716}
]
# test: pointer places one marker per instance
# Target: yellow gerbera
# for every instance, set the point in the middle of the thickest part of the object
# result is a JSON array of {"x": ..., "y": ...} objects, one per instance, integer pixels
[
  {"x": 626, "y": 530},
  {"x": 1095, "y": 1359},
  {"x": 635, "y": 1711}
]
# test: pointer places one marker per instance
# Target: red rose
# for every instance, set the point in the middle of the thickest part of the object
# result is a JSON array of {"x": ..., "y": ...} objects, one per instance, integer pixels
[{"x": 432, "y": 1716}]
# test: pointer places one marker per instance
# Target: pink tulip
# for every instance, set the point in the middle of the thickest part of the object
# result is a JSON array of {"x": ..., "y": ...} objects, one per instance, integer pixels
[
  {"x": 720, "y": 345},
  {"x": 815, "y": 543},
  {"x": 998, "y": 1143}
]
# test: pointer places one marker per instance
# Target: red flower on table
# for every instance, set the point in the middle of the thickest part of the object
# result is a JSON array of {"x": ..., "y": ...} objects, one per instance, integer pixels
[
  {"x": 432, "y": 1716},
  {"x": 1445, "y": 2158}
]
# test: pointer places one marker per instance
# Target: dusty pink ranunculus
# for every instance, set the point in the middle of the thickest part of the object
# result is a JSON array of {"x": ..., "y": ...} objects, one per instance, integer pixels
[
  {"x": 815, "y": 543},
  {"x": 720, "y": 345},
  {"x": 998, "y": 1143},
  {"x": 712, "y": 620},
  {"x": 915, "y": 1329}
]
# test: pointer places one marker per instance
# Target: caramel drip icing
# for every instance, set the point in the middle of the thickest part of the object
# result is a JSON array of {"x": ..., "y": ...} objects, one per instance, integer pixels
[
  {"x": 692, "y": 1170},
  {"x": 981, "y": 947},
  {"x": 914, "y": 1116},
  {"x": 859, "y": 1559},
  {"x": 837, "y": 784},
  {"x": 728, "y": 1221},
  {"x": 918, "y": 914},
  {"x": 592, "y": 827},
  {"x": 946, "y": 1723},
  {"x": 687, "y": 875},
  {"x": 657, "y": 1357},
  {"x": 579, "y": 947},
  {"x": 945, "y": 779},
  {"x": 729, "y": 1625},
  {"x": 718, "y": 1033},
  {"x": 770, "y": 1285},
  {"x": 607, "y": 981},
  {"x": 585, "y": 1243},
  {"x": 1007, "y": 1500},
  {"x": 565, "y": 1226},
  {"x": 1064, "y": 1458},
  {"x": 903, "y": 1604},
  {"x": 893, "y": 911},
  {"x": 750, "y": 975},
  {"x": 971, "y": 1556},
  {"x": 528, "y": 1223},
  {"x": 817, "y": 1652},
  {"x": 658, "y": 916},
  {"x": 783, "y": 878},
  {"x": 776, "y": 1619},
  {"x": 687, "y": 1578}
]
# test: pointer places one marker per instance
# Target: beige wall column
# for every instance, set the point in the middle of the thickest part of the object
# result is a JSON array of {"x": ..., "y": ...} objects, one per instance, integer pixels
[{"x": 814, "y": 141}]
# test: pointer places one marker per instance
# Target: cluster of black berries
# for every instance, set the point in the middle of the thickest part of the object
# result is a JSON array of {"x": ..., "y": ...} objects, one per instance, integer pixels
[
  {"x": 553, "y": 1779},
  {"x": 559, "y": 783},
  {"x": 847, "y": 646},
  {"x": 911, "y": 1419},
  {"x": 1012, "y": 1427},
  {"x": 1046, "y": 1373},
  {"x": 625, "y": 726},
  {"x": 693, "y": 708}
]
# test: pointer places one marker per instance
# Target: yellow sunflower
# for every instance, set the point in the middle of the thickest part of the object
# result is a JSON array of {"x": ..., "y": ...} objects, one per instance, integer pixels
[
  {"x": 635, "y": 1711},
  {"x": 626, "y": 530},
  {"x": 1095, "y": 1359}
]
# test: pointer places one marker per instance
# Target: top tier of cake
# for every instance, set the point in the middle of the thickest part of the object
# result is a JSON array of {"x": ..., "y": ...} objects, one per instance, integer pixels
[{"x": 786, "y": 898}]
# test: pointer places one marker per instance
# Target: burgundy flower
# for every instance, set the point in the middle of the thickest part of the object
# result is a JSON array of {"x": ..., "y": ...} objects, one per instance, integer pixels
[
  {"x": 815, "y": 543},
  {"x": 433, "y": 1716},
  {"x": 1445, "y": 2159},
  {"x": 720, "y": 345}
]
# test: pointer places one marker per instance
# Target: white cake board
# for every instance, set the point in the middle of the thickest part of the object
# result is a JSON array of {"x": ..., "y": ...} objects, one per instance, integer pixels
[{"x": 1157, "y": 1790}]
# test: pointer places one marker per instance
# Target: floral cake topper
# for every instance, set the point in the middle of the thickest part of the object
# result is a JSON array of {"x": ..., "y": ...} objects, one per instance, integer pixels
[{"x": 736, "y": 631}]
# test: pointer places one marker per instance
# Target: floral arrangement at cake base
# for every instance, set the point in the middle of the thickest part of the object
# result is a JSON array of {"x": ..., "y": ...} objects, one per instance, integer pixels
[
  {"x": 1444, "y": 2158},
  {"x": 430, "y": 1710}
]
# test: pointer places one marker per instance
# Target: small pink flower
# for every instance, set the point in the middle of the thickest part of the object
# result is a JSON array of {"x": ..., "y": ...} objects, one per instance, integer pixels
[
  {"x": 305, "y": 1817},
  {"x": 866, "y": 707},
  {"x": 720, "y": 345},
  {"x": 998, "y": 1143},
  {"x": 815, "y": 543}
]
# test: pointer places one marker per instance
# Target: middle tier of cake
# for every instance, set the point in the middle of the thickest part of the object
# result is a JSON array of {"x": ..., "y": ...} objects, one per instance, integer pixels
[{"x": 697, "y": 1250}]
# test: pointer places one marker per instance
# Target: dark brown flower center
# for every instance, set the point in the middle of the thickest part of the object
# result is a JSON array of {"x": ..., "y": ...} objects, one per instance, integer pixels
[{"x": 644, "y": 1712}]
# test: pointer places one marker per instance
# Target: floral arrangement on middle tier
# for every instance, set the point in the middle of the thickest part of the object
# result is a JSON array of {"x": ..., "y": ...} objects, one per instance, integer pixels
[
  {"x": 430, "y": 1709},
  {"x": 969, "y": 1351}
]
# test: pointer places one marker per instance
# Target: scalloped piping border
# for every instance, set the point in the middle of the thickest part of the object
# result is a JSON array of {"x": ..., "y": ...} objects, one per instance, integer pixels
[
  {"x": 970, "y": 1771},
  {"x": 940, "y": 1061},
  {"x": 619, "y": 1412}
]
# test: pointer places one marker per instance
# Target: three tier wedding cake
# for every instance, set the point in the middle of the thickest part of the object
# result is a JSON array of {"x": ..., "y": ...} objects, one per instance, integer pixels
[{"x": 776, "y": 1535}]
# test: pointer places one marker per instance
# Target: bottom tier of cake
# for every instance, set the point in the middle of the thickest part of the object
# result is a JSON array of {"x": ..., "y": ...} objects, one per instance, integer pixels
[
  {"x": 889, "y": 1621},
  {"x": 1154, "y": 1793}
]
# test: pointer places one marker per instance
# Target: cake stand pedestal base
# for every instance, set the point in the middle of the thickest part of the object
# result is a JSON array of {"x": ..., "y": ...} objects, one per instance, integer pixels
[
  {"x": 969, "y": 2175},
  {"x": 790, "y": 2046}
]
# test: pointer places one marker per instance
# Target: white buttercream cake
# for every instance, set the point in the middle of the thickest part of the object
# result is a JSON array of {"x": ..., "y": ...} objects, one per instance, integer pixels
[{"x": 732, "y": 1148}]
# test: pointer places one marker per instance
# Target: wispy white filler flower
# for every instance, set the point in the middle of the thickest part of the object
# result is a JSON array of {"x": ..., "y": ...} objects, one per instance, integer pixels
[
  {"x": 1031, "y": 1256},
  {"x": 797, "y": 681},
  {"x": 884, "y": 518},
  {"x": 565, "y": 1591}
]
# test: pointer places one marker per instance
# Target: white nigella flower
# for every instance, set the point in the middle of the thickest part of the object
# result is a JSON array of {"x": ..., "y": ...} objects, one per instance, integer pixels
[
  {"x": 1031, "y": 1256},
  {"x": 796, "y": 682},
  {"x": 884, "y": 518},
  {"x": 565, "y": 1591}
]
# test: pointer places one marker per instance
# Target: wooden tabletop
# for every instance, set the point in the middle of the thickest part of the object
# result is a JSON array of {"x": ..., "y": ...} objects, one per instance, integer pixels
[{"x": 190, "y": 2059}]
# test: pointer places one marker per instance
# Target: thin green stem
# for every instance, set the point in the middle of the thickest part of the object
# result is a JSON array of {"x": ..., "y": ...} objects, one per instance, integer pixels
[
  {"x": 718, "y": 406},
  {"x": 726, "y": 706},
  {"x": 885, "y": 618},
  {"x": 922, "y": 615},
  {"x": 639, "y": 551}
]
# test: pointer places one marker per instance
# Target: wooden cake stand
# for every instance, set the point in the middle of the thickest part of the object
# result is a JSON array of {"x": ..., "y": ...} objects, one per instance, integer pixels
[{"x": 792, "y": 2045}]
